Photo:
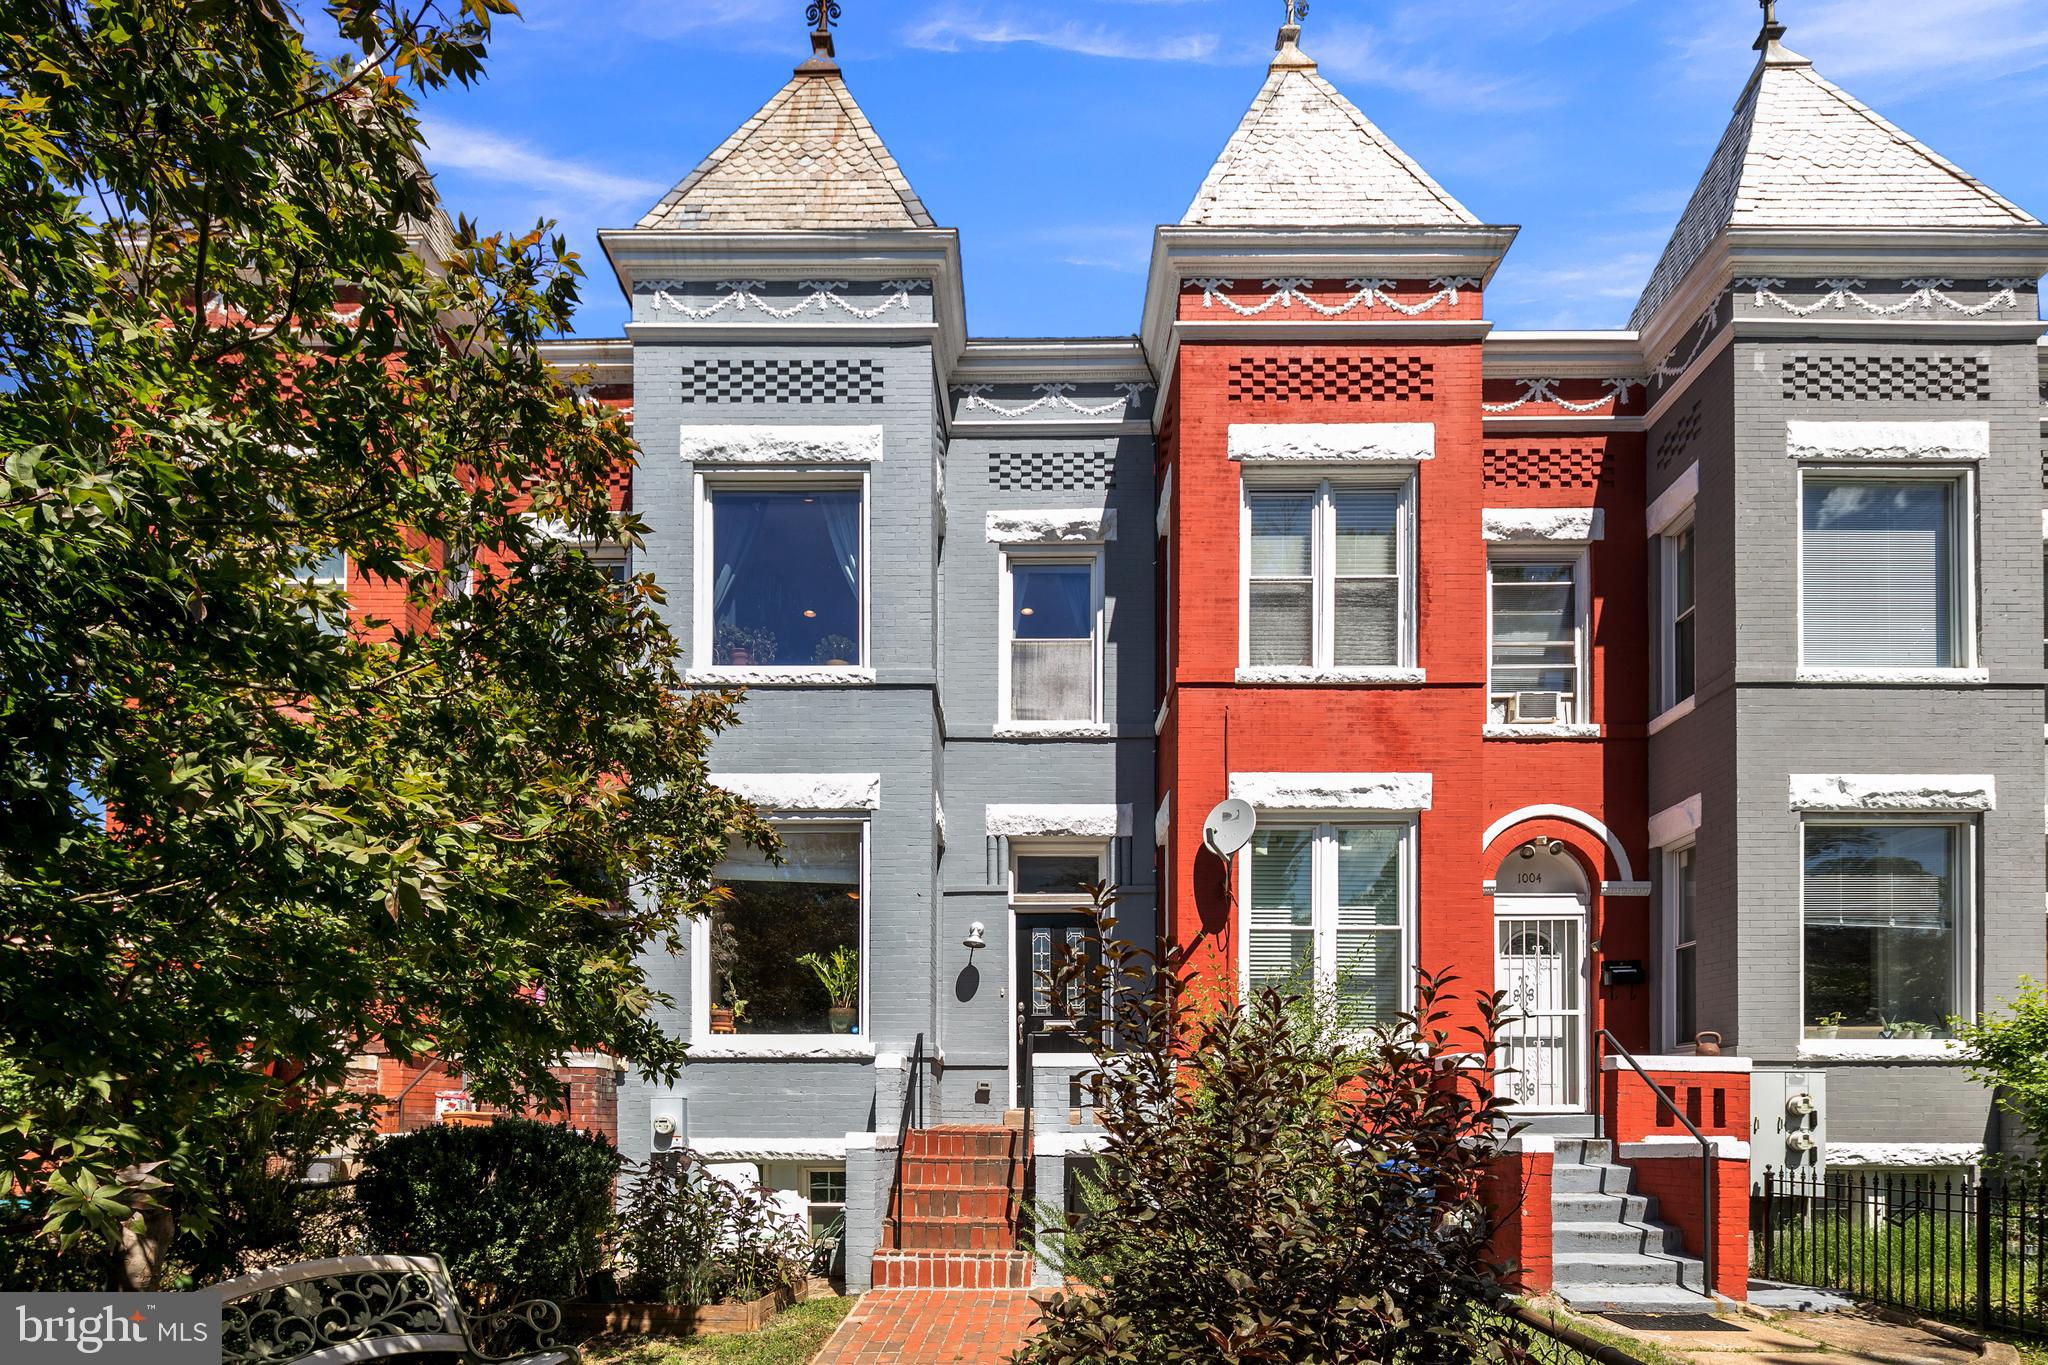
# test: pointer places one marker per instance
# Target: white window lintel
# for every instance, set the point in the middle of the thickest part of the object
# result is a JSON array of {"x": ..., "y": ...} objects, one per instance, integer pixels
[
  {"x": 1892, "y": 440},
  {"x": 1933, "y": 793},
  {"x": 1675, "y": 824},
  {"x": 1332, "y": 442},
  {"x": 764, "y": 443},
  {"x": 1052, "y": 526},
  {"x": 1334, "y": 791},
  {"x": 1543, "y": 525},
  {"x": 805, "y": 791},
  {"x": 1057, "y": 821}
]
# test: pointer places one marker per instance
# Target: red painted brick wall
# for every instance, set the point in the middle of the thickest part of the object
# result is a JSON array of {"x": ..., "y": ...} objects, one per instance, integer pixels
[
  {"x": 1435, "y": 727},
  {"x": 1717, "y": 1103},
  {"x": 1674, "y": 1181},
  {"x": 590, "y": 1092},
  {"x": 1518, "y": 1195}
]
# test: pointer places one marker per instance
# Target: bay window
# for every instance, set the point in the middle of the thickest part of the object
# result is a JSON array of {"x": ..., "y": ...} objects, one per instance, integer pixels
[
  {"x": 781, "y": 567},
  {"x": 1886, "y": 923},
  {"x": 1052, "y": 612},
  {"x": 779, "y": 925},
  {"x": 1537, "y": 639},
  {"x": 1884, "y": 571},
  {"x": 1328, "y": 909},
  {"x": 1328, "y": 569}
]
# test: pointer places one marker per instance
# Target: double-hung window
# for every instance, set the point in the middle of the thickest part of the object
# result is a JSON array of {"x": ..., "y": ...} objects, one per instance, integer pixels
[
  {"x": 1328, "y": 575},
  {"x": 1679, "y": 646},
  {"x": 1683, "y": 935},
  {"x": 1884, "y": 571},
  {"x": 1538, "y": 638},
  {"x": 1887, "y": 911},
  {"x": 782, "y": 567},
  {"x": 1052, "y": 656},
  {"x": 1328, "y": 910},
  {"x": 783, "y": 947}
]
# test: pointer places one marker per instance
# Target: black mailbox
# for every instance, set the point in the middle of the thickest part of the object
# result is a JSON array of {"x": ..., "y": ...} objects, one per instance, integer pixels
[{"x": 1623, "y": 973}]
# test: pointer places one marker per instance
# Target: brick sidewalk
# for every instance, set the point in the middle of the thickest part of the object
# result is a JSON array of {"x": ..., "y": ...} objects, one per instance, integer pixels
[{"x": 931, "y": 1325}]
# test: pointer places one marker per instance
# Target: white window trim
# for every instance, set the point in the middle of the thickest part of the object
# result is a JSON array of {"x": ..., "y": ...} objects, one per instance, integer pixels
[
  {"x": 1668, "y": 701},
  {"x": 1323, "y": 895},
  {"x": 1668, "y": 1010},
  {"x": 1010, "y": 558},
  {"x": 704, "y": 1043},
  {"x": 1580, "y": 724},
  {"x": 1963, "y": 610},
  {"x": 704, "y": 575},
  {"x": 1964, "y": 876},
  {"x": 1024, "y": 848},
  {"x": 1322, "y": 576}
]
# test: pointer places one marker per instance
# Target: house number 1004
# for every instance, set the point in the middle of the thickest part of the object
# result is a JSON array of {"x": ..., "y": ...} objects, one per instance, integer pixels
[{"x": 1529, "y": 878}]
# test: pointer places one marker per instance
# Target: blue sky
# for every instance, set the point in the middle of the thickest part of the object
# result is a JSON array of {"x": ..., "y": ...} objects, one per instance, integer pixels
[{"x": 1055, "y": 134}]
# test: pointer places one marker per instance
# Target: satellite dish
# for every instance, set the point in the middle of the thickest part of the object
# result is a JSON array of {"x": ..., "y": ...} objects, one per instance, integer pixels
[{"x": 1229, "y": 827}]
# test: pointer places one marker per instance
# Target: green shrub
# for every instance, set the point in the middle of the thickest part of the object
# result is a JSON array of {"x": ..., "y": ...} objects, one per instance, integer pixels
[
  {"x": 2008, "y": 1052},
  {"x": 1273, "y": 1188},
  {"x": 519, "y": 1209},
  {"x": 688, "y": 1237}
]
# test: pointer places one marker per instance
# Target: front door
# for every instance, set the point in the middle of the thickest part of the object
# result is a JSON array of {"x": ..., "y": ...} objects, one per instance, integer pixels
[
  {"x": 1046, "y": 1010},
  {"x": 1540, "y": 967}
]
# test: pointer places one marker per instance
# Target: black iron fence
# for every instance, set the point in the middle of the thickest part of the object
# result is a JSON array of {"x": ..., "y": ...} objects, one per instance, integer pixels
[{"x": 1968, "y": 1251}]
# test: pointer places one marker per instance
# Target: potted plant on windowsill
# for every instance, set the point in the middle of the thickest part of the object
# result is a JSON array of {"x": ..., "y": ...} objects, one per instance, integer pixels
[
  {"x": 726, "y": 1018},
  {"x": 835, "y": 651},
  {"x": 739, "y": 647},
  {"x": 839, "y": 974},
  {"x": 1828, "y": 1026}
]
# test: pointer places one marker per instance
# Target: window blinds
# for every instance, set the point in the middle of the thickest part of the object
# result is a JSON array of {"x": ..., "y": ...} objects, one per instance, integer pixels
[{"x": 1878, "y": 573}]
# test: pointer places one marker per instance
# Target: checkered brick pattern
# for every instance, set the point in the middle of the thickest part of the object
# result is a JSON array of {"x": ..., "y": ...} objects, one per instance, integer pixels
[
  {"x": 1937, "y": 379},
  {"x": 783, "y": 381},
  {"x": 1679, "y": 439},
  {"x": 2044, "y": 466},
  {"x": 1578, "y": 466},
  {"x": 1048, "y": 471},
  {"x": 1332, "y": 379}
]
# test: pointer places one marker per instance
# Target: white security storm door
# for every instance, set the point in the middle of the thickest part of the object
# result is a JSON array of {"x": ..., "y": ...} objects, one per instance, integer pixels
[{"x": 1540, "y": 967}]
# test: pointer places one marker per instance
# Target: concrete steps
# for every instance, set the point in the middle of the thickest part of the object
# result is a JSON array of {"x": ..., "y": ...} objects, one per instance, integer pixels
[{"x": 1608, "y": 1251}]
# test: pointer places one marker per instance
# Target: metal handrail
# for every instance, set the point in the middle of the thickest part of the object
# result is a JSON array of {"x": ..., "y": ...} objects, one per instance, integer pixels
[
  {"x": 911, "y": 1117},
  {"x": 1707, "y": 1154}
]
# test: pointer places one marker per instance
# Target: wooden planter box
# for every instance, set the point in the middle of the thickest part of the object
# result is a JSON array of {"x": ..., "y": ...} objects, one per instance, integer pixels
[{"x": 667, "y": 1320}]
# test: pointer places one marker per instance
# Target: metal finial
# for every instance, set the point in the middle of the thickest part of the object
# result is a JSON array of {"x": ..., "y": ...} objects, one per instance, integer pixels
[
  {"x": 1297, "y": 10},
  {"x": 1773, "y": 31},
  {"x": 821, "y": 15}
]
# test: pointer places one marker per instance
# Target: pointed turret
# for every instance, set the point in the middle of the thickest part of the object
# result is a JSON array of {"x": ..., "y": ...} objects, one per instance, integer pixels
[
  {"x": 1304, "y": 156},
  {"x": 1802, "y": 153},
  {"x": 808, "y": 161}
]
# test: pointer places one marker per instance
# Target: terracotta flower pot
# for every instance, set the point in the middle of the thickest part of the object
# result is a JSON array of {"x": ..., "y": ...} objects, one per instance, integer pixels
[
  {"x": 842, "y": 1019},
  {"x": 723, "y": 1022},
  {"x": 740, "y": 658}
]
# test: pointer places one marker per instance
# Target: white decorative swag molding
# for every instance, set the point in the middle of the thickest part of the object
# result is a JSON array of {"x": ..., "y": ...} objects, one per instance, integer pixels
[
  {"x": 748, "y": 444},
  {"x": 1331, "y": 442},
  {"x": 1542, "y": 525},
  {"x": 1058, "y": 821},
  {"x": 1545, "y": 391},
  {"x": 1052, "y": 526},
  {"x": 805, "y": 791},
  {"x": 1286, "y": 292},
  {"x": 824, "y": 296},
  {"x": 1921, "y": 294},
  {"x": 1051, "y": 397},
  {"x": 1888, "y": 440},
  {"x": 1894, "y": 792},
  {"x": 1334, "y": 791}
]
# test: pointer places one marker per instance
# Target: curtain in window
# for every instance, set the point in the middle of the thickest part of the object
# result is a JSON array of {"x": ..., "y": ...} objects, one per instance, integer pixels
[
  {"x": 1282, "y": 908},
  {"x": 1370, "y": 960},
  {"x": 1282, "y": 615},
  {"x": 1878, "y": 572},
  {"x": 842, "y": 524},
  {"x": 1368, "y": 584},
  {"x": 735, "y": 525}
]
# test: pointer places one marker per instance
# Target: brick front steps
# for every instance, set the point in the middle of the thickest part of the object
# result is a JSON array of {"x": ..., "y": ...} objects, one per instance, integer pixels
[{"x": 954, "y": 1216}]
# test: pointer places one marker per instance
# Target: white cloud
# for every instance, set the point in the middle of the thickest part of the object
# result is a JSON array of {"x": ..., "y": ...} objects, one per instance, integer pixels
[
  {"x": 1125, "y": 248},
  {"x": 1903, "y": 49},
  {"x": 489, "y": 156},
  {"x": 1391, "y": 61},
  {"x": 947, "y": 32}
]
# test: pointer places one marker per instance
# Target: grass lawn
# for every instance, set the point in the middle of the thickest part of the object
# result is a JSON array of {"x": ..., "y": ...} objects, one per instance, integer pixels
[{"x": 790, "y": 1339}]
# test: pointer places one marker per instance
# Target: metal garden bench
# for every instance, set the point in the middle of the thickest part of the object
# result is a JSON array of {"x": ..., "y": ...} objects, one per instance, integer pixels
[{"x": 359, "y": 1308}]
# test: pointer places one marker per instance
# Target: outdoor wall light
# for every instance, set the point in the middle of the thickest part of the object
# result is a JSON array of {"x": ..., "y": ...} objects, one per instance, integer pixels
[
  {"x": 977, "y": 936},
  {"x": 1528, "y": 850}
]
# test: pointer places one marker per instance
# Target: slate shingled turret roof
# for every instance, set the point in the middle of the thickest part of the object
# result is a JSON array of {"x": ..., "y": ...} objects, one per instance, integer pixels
[
  {"x": 1304, "y": 156},
  {"x": 1801, "y": 152},
  {"x": 808, "y": 161}
]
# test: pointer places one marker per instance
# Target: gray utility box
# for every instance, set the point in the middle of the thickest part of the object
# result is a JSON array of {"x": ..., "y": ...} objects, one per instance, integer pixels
[{"x": 1788, "y": 1123}]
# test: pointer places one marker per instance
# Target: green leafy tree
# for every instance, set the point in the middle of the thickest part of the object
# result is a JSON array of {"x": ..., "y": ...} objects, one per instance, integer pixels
[
  {"x": 2008, "y": 1051},
  {"x": 241, "y": 840}
]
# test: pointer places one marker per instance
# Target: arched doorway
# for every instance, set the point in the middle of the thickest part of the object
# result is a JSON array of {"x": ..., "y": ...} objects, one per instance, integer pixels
[{"x": 1541, "y": 967}]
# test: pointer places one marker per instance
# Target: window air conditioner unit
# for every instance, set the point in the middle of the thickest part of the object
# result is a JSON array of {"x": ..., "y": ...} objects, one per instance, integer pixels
[{"x": 1535, "y": 708}]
